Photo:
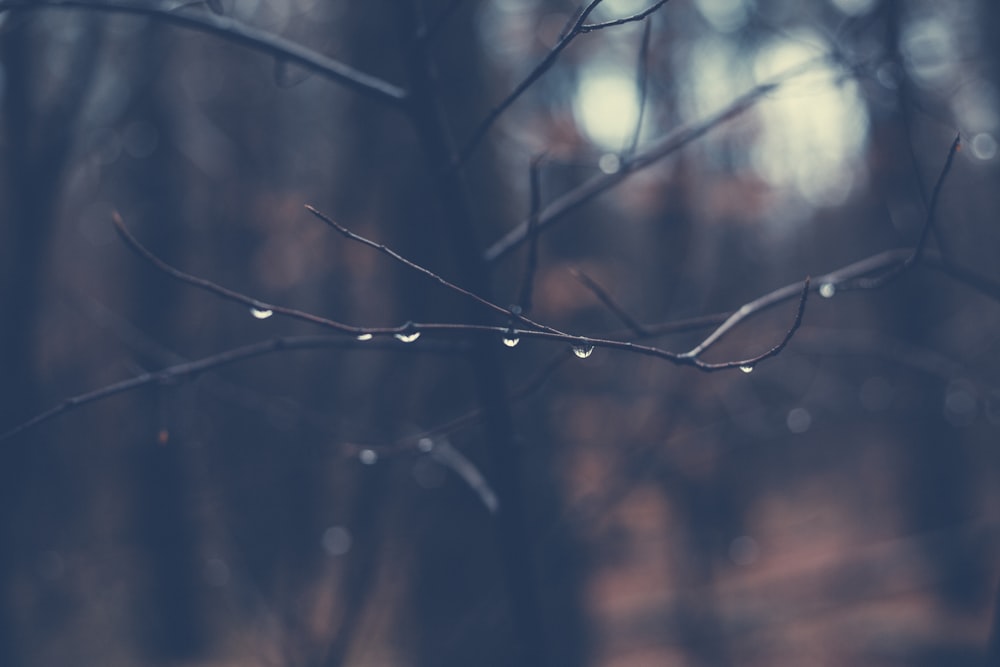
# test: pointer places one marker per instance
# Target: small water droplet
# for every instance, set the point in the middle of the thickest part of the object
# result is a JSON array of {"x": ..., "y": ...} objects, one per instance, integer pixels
[
  {"x": 425, "y": 444},
  {"x": 365, "y": 336},
  {"x": 746, "y": 368},
  {"x": 368, "y": 457},
  {"x": 261, "y": 313},
  {"x": 408, "y": 337},
  {"x": 510, "y": 340},
  {"x": 583, "y": 351},
  {"x": 609, "y": 163},
  {"x": 827, "y": 290}
]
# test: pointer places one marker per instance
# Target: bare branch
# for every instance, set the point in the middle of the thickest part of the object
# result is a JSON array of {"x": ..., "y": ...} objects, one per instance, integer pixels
[
  {"x": 427, "y": 272},
  {"x": 224, "y": 292},
  {"x": 642, "y": 80},
  {"x": 918, "y": 250},
  {"x": 735, "y": 319},
  {"x": 192, "y": 368},
  {"x": 583, "y": 194},
  {"x": 524, "y": 301},
  {"x": 240, "y": 33},
  {"x": 578, "y": 27},
  {"x": 592, "y": 27}
]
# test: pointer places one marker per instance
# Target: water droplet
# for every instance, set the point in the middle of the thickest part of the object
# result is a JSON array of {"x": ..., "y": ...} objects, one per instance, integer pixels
[
  {"x": 365, "y": 336},
  {"x": 408, "y": 337},
  {"x": 827, "y": 290},
  {"x": 747, "y": 368},
  {"x": 609, "y": 163},
  {"x": 261, "y": 313},
  {"x": 510, "y": 340},
  {"x": 368, "y": 457},
  {"x": 583, "y": 351},
  {"x": 425, "y": 444}
]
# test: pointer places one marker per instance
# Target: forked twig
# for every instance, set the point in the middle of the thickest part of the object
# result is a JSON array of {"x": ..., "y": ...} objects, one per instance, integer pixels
[
  {"x": 385, "y": 250},
  {"x": 638, "y": 16},
  {"x": 578, "y": 27}
]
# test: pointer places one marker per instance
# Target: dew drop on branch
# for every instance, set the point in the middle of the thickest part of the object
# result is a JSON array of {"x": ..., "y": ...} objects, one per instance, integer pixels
[
  {"x": 747, "y": 368},
  {"x": 365, "y": 336},
  {"x": 407, "y": 337},
  {"x": 368, "y": 457},
  {"x": 827, "y": 290},
  {"x": 510, "y": 340},
  {"x": 583, "y": 351},
  {"x": 261, "y": 313}
]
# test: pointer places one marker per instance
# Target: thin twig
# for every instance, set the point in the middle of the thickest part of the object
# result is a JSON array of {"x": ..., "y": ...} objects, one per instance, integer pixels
[
  {"x": 642, "y": 81},
  {"x": 578, "y": 27},
  {"x": 587, "y": 191},
  {"x": 592, "y": 27},
  {"x": 191, "y": 368},
  {"x": 956, "y": 145},
  {"x": 224, "y": 292},
  {"x": 918, "y": 249},
  {"x": 749, "y": 363},
  {"x": 235, "y": 31},
  {"x": 609, "y": 301},
  {"x": 541, "y": 68},
  {"x": 524, "y": 301},
  {"x": 389, "y": 252}
]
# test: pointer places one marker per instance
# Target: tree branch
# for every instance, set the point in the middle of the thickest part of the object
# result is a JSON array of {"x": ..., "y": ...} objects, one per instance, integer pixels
[
  {"x": 240, "y": 33},
  {"x": 584, "y": 193},
  {"x": 578, "y": 27}
]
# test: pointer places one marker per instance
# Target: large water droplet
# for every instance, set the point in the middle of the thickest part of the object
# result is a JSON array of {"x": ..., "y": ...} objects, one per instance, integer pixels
[
  {"x": 365, "y": 336},
  {"x": 425, "y": 444},
  {"x": 408, "y": 337},
  {"x": 510, "y": 340},
  {"x": 368, "y": 457},
  {"x": 747, "y": 368},
  {"x": 827, "y": 290},
  {"x": 261, "y": 313},
  {"x": 583, "y": 351}
]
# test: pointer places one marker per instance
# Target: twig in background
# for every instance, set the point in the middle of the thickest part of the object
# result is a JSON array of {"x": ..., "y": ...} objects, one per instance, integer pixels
[
  {"x": 642, "y": 81},
  {"x": 192, "y": 368},
  {"x": 612, "y": 305},
  {"x": 385, "y": 250},
  {"x": 524, "y": 301},
  {"x": 638, "y": 16},
  {"x": 918, "y": 250},
  {"x": 578, "y": 27},
  {"x": 666, "y": 145}
]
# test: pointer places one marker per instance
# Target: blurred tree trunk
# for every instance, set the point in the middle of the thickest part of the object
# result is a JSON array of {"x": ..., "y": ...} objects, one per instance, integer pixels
[{"x": 171, "y": 619}]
